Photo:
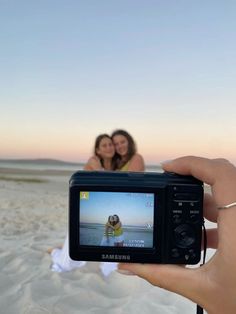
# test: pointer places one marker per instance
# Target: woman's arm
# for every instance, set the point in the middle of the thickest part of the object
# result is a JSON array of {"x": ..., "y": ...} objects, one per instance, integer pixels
[
  {"x": 117, "y": 226},
  {"x": 110, "y": 226}
]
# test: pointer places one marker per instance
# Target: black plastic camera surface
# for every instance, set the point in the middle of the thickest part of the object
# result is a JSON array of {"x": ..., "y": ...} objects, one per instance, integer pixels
[{"x": 135, "y": 217}]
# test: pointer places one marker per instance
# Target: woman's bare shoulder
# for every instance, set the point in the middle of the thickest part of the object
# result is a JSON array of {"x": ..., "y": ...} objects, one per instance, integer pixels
[
  {"x": 137, "y": 163},
  {"x": 137, "y": 157},
  {"x": 93, "y": 164}
]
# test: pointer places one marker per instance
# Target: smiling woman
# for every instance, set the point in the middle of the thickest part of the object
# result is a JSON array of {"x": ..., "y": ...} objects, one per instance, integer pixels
[
  {"x": 126, "y": 157},
  {"x": 104, "y": 152},
  {"x": 102, "y": 159}
]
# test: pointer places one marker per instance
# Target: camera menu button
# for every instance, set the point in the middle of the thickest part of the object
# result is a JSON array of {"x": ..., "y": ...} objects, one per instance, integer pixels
[{"x": 177, "y": 218}]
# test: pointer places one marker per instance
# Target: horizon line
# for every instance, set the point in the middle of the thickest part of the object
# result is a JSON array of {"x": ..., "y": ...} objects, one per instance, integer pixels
[{"x": 52, "y": 161}]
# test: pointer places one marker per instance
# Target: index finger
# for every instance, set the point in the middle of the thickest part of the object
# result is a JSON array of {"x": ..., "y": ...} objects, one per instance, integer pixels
[
  {"x": 219, "y": 173},
  {"x": 199, "y": 167}
]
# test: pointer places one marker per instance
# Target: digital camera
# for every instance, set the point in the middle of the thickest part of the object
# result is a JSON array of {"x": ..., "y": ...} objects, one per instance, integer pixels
[{"x": 135, "y": 217}]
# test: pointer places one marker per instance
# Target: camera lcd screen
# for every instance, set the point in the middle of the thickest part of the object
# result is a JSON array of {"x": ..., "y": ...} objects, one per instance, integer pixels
[{"x": 111, "y": 219}]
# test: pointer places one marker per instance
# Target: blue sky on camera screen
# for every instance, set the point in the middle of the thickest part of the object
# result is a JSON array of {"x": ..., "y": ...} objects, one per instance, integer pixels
[{"x": 133, "y": 209}]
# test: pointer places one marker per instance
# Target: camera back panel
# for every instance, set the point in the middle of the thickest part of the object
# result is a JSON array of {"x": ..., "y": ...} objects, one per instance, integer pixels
[{"x": 160, "y": 217}]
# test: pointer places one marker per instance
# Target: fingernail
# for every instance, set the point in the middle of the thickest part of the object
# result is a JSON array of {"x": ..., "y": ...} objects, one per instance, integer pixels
[
  {"x": 125, "y": 272},
  {"x": 166, "y": 161}
]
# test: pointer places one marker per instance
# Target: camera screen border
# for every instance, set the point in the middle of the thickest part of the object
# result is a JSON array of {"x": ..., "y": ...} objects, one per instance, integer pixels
[{"x": 118, "y": 254}]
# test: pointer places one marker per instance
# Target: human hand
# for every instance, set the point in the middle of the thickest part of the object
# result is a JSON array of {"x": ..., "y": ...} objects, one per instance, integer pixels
[{"x": 212, "y": 286}]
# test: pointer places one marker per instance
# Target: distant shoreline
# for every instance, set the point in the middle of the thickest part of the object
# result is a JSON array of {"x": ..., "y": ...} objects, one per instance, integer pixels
[
  {"x": 50, "y": 167},
  {"x": 45, "y": 161},
  {"x": 50, "y": 172},
  {"x": 46, "y": 166}
]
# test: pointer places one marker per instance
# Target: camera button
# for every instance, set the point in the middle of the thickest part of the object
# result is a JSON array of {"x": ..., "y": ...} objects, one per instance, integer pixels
[
  {"x": 192, "y": 254},
  {"x": 186, "y": 257},
  {"x": 184, "y": 236},
  {"x": 194, "y": 205},
  {"x": 177, "y": 218},
  {"x": 186, "y": 196},
  {"x": 178, "y": 204},
  {"x": 194, "y": 213},
  {"x": 194, "y": 218}
]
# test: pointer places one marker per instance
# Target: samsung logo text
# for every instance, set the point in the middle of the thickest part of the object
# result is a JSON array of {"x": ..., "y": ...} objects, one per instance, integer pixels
[{"x": 116, "y": 257}]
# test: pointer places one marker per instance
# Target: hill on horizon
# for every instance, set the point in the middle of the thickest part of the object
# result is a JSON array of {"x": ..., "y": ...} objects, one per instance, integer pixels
[{"x": 45, "y": 161}]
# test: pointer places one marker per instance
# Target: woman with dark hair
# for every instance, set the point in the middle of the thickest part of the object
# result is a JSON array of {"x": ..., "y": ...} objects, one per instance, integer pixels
[
  {"x": 104, "y": 152},
  {"x": 126, "y": 157},
  {"x": 102, "y": 160}
]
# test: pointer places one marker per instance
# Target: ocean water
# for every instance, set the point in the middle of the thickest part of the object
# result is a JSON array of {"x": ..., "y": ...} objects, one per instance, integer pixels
[
  {"x": 134, "y": 236},
  {"x": 50, "y": 164},
  {"x": 41, "y": 165}
]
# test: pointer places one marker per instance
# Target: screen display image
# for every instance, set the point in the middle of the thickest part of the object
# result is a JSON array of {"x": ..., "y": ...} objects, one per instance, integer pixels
[{"x": 123, "y": 219}]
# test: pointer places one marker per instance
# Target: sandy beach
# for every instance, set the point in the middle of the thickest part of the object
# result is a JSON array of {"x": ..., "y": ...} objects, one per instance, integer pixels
[{"x": 33, "y": 217}]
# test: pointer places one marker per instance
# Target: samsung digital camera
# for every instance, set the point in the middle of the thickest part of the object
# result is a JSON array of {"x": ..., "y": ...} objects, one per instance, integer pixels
[{"x": 135, "y": 217}]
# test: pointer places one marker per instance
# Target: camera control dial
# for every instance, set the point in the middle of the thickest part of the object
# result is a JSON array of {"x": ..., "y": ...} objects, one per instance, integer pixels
[{"x": 184, "y": 236}]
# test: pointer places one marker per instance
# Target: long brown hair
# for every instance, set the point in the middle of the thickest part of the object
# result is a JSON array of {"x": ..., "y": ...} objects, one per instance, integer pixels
[
  {"x": 131, "y": 148},
  {"x": 98, "y": 140}
]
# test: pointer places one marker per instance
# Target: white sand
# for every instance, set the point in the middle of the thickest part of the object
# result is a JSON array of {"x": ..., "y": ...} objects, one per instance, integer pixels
[{"x": 33, "y": 217}]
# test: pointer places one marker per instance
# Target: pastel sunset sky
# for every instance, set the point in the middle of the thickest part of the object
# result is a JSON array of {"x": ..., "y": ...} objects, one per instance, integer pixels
[{"x": 163, "y": 70}]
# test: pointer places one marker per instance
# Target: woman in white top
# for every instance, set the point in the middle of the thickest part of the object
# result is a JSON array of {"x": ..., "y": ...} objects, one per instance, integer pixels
[{"x": 102, "y": 159}]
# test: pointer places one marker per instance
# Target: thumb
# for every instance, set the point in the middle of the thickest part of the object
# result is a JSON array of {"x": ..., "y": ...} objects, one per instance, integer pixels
[{"x": 184, "y": 281}]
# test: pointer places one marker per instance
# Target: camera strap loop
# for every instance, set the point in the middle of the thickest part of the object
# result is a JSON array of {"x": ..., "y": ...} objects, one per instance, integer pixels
[{"x": 199, "y": 308}]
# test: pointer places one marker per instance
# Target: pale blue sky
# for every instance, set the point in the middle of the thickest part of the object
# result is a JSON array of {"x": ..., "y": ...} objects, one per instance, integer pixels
[
  {"x": 135, "y": 209},
  {"x": 163, "y": 70}
]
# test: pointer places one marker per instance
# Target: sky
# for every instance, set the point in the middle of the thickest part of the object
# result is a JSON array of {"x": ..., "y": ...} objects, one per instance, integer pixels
[
  {"x": 165, "y": 71},
  {"x": 136, "y": 209}
]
